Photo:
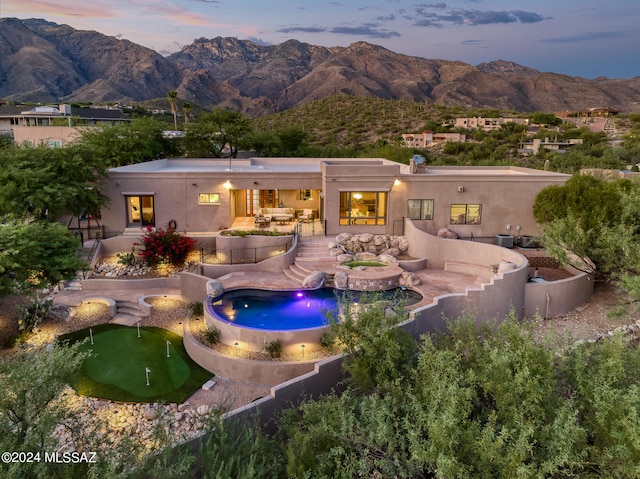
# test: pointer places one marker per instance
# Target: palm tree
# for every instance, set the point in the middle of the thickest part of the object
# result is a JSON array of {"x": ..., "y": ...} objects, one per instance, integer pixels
[
  {"x": 186, "y": 108},
  {"x": 172, "y": 96}
]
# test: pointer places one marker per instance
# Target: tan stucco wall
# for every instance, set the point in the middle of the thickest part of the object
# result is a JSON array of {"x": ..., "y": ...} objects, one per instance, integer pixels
[
  {"x": 38, "y": 135},
  {"x": 558, "y": 297},
  {"x": 260, "y": 372}
]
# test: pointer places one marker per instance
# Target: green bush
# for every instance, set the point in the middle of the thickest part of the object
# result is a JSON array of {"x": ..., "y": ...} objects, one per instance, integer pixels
[
  {"x": 212, "y": 336},
  {"x": 32, "y": 314},
  {"x": 274, "y": 348},
  {"x": 127, "y": 259},
  {"x": 196, "y": 308},
  {"x": 328, "y": 341}
]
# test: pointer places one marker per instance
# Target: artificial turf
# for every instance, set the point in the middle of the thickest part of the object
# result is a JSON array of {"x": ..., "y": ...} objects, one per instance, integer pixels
[{"x": 119, "y": 358}]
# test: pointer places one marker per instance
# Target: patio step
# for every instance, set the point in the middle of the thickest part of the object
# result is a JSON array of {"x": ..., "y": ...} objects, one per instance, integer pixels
[
  {"x": 295, "y": 273},
  {"x": 128, "y": 313},
  {"x": 72, "y": 285}
]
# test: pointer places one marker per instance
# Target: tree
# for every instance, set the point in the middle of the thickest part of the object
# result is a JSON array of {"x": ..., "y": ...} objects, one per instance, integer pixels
[
  {"x": 127, "y": 143},
  {"x": 43, "y": 183},
  {"x": 186, "y": 108},
  {"x": 30, "y": 408},
  {"x": 596, "y": 221},
  {"x": 35, "y": 254},
  {"x": 218, "y": 134},
  {"x": 172, "y": 96}
]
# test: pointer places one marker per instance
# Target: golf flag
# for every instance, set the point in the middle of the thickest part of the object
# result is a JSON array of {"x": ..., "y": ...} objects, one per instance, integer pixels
[{"x": 147, "y": 370}]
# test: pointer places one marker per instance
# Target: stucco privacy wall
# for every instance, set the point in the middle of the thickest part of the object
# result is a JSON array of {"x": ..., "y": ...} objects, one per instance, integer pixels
[
  {"x": 505, "y": 292},
  {"x": 558, "y": 297}
]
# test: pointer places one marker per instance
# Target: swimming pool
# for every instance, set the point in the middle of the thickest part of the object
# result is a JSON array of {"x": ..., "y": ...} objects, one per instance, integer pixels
[{"x": 289, "y": 310}]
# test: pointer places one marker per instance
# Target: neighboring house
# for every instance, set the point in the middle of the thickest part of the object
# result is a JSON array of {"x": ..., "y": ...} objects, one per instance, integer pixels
[
  {"x": 428, "y": 138},
  {"x": 534, "y": 146},
  {"x": 348, "y": 195},
  {"x": 53, "y": 126},
  {"x": 598, "y": 112},
  {"x": 488, "y": 124}
]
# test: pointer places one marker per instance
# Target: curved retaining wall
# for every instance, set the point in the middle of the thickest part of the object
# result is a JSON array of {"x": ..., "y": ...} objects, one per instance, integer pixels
[
  {"x": 259, "y": 372},
  {"x": 502, "y": 293},
  {"x": 558, "y": 297}
]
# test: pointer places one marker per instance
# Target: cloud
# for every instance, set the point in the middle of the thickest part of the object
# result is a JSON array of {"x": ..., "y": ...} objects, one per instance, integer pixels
[
  {"x": 434, "y": 15},
  {"x": 61, "y": 8},
  {"x": 314, "y": 29},
  {"x": 585, "y": 37},
  {"x": 370, "y": 30},
  {"x": 473, "y": 42}
]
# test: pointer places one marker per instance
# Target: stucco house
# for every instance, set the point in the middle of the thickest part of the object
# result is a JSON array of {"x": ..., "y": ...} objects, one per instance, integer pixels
[
  {"x": 373, "y": 195},
  {"x": 53, "y": 126}
]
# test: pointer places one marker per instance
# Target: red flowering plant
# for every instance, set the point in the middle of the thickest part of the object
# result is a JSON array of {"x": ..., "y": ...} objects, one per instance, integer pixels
[{"x": 165, "y": 246}]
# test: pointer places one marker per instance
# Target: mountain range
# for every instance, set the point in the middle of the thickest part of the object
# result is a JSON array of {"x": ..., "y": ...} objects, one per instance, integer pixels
[{"x": 42, "y": 61}]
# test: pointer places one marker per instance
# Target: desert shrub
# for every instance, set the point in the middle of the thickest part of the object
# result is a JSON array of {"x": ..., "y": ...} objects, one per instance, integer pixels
[
  {"x": 165, "y": 246},
  {"x": 32, "y": 314},
  {"x": 196, "y": 308},
  {"x": 127, "y": 259},
  {"x": 212, "y": 336},
  {"x": 274, "y": 348},
  {"x": 328, "y": 341}
]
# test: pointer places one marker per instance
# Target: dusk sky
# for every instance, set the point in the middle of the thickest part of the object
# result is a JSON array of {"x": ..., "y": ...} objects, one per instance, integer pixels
[{"x": 575, "y": 37}]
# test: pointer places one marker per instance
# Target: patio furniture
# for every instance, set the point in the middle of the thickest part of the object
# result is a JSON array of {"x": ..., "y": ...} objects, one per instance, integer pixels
[
  {"x": 306, "y": 216},
  {"x": 282, "y": 219},
  {"x": 262, "y": 221}
]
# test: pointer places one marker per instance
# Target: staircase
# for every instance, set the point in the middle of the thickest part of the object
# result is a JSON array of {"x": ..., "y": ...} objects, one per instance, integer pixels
[
  {"x": 128, "y": 313},
  {"x": 313, "y": 255}
]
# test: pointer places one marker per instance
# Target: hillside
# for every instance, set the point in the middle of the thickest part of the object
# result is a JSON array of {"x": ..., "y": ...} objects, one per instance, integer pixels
[{"x": 43, "y": 61}]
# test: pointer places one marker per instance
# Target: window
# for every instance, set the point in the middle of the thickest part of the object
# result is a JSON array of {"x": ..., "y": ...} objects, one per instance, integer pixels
[
  {"x": 140, "y": 210},
  {"x": 420, "y": 209},
  {"x": 304, "y": 195},
  {"x": 363, "y": 208},
  {"x": 209, "y": 198},
  {"x": 465, "y": 214}
]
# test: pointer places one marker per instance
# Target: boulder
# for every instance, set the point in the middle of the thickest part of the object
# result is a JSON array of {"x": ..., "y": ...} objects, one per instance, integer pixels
[
  {"x": 446, "y": 233},
  {"x": 336, "y": 251},
  {"x": 403, "y": 244},
  {"x": 366, "y": 256},
  {"x": 387, "y": 258},
  {"x": 345, "y": 258},
  {"x": 314, "y": 280},
  {"x": 214, "y": 288},
  {"x": 366, "y": 238},
  {"x": 380, "y": 241},
  {"x": 395, "y": 252},
  {"x": 341, "y": 280},
  {"x": 409, "y": 280},
  {"x": 342, "y": 237}
]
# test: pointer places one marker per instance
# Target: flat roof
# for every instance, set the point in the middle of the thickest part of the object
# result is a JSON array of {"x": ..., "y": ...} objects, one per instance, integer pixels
[
  {"x": 241, "y": 165},
  {"x": 313, "y": 165}
]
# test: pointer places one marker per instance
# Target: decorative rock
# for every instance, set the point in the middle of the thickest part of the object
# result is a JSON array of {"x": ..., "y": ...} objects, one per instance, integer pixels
[
  {"x": 386, "y": 258},
  {"x": 214, "y": 287},
  {"x": 366, "y": 256},
  {"x": 409, "y": 280},
  {"x": 202, "y": 410},
  {"x": 380, "y": 241},
  {"x": 342, "y": 237},
  {"x": 149, "y": 413},
  {"x": 345, "y": 258},
  {"x": 395, "y": 252},
  {"x": 403, "y": 244},
  {"x": 341, "y": 280},
  {"x": 336, "y": 251},
  {"x": 314, "y": 280},
  {"x": 183, "y": 407},
  {"x": 366, "y": 238},
  {"x": 447, "y": 234}
]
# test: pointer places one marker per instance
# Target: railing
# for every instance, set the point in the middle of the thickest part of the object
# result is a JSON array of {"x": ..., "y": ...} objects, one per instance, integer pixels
[
  {"x": 90, "y": 255},
  {"x": 209, "y": 255},
  {"x": 88, "y": 233}
]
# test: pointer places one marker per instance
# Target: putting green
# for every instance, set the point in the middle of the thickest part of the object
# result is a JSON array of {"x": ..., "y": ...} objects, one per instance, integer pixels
[{"x": 119, "y": 359}]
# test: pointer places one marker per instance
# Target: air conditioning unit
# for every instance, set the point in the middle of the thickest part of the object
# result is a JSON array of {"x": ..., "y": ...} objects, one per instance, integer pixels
[{"x": 506, "y": 241}]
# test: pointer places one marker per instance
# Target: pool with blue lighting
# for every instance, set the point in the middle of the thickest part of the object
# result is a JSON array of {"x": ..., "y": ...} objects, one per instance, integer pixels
[{"x": 289, "y": 310}]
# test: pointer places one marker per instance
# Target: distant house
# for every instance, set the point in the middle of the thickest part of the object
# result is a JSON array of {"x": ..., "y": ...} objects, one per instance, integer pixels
[
  {"x": 534, "y": 146},
  {"x": 597, "y": 112},
  {"x": 488, "y": 124},
  {"x": 428, "y": 138},
  {"x": 53, "y": 126}
]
